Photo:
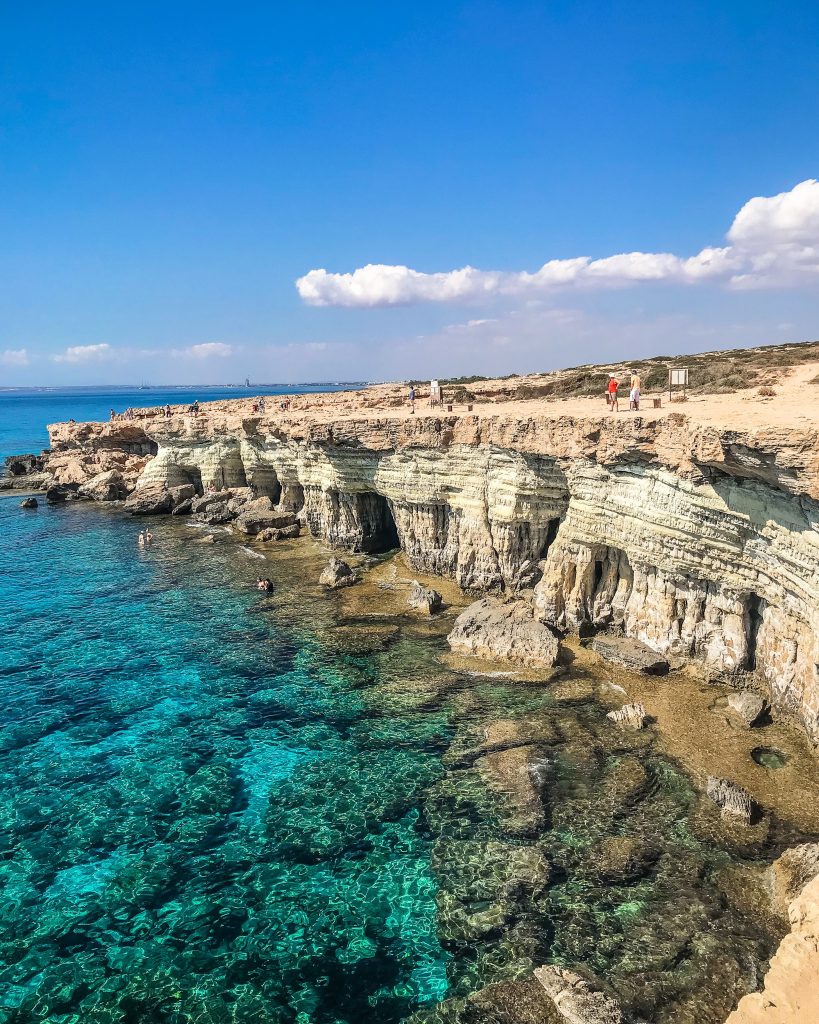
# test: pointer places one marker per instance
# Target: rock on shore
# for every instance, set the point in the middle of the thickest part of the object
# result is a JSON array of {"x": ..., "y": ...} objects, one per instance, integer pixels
[{"x": 492, "y": 628}]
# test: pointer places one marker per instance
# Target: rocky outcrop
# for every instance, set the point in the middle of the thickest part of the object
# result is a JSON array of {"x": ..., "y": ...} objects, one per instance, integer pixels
[
  {"x": 337, "y": 574},
  {"x": 631, "y": 716},
  {"x": 790, "y": 873},
  {"x": 747, "y": 706},
  {"x": 630, "y": 653},
  {"x": 424, "y": 599},
  {"x": 790, "y": 994},
  {"x": 695, "y": 541},
  {"x": 155, "y": 498},
  {"x": 733, "y": 801},
  {"x": 107, "y": 486},
  {"x": 29, "y": 503},
  {"x": 492, "y": 628}
]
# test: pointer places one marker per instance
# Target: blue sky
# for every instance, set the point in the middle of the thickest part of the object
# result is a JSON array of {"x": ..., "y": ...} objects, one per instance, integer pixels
[{"x": 169, "y": 172}]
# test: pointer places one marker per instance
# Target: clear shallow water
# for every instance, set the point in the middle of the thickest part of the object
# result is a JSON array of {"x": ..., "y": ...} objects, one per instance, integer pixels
[
  {"x": 221, "y": 806},
  {"x": 193, "y": 821}
]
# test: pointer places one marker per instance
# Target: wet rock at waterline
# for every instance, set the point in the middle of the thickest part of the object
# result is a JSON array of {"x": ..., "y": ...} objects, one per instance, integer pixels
[
  {"x": 734, "y": 802},
  {"x": 337, "y": 574},
  {"x": 29, "y": 503},
  {"x": 425, "y": 599},
  {"x": 790, "y": 873},
  {"x": 58, "y": 493},
  {"x": 155, "y": 499},
  {"x": 280, "y": 533},
  {"x": 747, "y": 706},
  {"x": 575, "y": 999},
  {"x": 259, "y": 514},
  {"x": 630, "y": 653},
  {"x": 492, "y": 628},
  {"x": 630, "y": 716}
]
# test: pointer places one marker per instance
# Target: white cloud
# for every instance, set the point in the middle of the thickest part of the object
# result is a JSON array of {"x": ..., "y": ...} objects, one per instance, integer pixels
[
  {"x": 14, "y": 357},
  {"x": 206, "y": 350},
  {"x": 83, "y": 353},
  {"x": 774, "y": 241}
]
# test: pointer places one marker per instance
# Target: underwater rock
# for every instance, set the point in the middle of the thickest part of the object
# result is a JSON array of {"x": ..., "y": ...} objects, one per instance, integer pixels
[
  {"x": 790, "y": 873},
  {"x": 337, "y": 574},
  {"x": 573, "y": 691},
  {"x": 733, "y": 800},
  {"x": 630, "y": 653},
  {"x": 749, "y": 706},
  {"x": 491, "y": 628},
  {"x": 509, "y": 773},
  {"x": 425, "y": 599},
  {"x": 617, "y": 859},
  {"x": 624, "y": 786},
  {"x": 29, "y": 503},
  {"x": 632, "y": 716},
  {"x": 501, "y": 735},
  {"x": 575, "y": 999}
]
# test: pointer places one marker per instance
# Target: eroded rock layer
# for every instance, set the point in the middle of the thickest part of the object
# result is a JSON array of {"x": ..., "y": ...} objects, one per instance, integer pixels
[{"x": 698, "y": 542}]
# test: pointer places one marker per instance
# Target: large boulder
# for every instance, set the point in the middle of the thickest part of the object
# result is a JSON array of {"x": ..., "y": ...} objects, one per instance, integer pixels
[
  {"x": 209, "y": 500},
  {"x": 107, "y": 486},
  {"x": 630, "y": 653},
  {"x": 425, "y": 599},
  {"x": 260, "y": 514},
  {"x": 151, "y": 499},
  {"x": 492, "y": 628},
  {"x": 733, "y": 801},
  {"x": 790, "y": 873},
  {"x": 280, "y": 533},
  {"x": 30, "y": 502},
  {"x": 337, "y": 574},
  {"x": 747, "y": 706},
  {"x": 58, "y": 493}
]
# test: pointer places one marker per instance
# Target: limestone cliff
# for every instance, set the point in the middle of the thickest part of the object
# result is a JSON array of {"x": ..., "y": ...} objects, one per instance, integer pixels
[
  {"x": 699, "y": 541},
  {"x": 791, "y": 992}
]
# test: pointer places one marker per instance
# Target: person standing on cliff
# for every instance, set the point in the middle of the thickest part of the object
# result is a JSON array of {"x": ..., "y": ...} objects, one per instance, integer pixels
[
  {"x": 412, "y": 399},
  {"x": 634, "y": 391},
  {"x": 614, "y": 384}
]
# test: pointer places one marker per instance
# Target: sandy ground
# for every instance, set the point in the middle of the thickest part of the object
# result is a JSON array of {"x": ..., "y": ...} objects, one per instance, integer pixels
[{"x": 795, "y": 405}]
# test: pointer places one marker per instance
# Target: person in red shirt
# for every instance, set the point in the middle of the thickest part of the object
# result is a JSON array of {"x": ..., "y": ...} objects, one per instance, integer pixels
[{"x": 613, "y": 386}]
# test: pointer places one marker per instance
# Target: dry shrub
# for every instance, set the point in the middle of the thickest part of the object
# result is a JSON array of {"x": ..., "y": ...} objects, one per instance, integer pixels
[
  {"x": 679, "y": 398},
  {"x": 766, "y": 392}
]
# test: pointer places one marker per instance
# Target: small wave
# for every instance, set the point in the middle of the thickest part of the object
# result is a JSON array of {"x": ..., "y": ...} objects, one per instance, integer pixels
[{"x": 251, "y": 553}]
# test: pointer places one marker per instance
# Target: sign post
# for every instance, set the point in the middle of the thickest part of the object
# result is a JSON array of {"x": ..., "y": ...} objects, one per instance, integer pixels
[{"x": 677, "y": 377}]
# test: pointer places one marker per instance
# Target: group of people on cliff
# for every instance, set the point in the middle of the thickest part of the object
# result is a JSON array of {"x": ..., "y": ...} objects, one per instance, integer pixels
[{"x": 635, "y": 385}]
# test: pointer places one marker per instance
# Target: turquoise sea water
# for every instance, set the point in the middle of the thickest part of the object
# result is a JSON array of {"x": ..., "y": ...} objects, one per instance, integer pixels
[{"x": 223, "y": 806}]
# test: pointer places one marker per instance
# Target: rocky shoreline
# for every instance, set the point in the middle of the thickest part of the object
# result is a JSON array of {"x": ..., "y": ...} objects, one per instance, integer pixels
[{"x": 669, "y": 544}]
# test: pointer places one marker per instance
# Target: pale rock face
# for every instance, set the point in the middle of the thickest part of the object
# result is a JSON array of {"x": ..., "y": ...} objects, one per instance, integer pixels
[
  {"x": 491, "y": 628},
  {"x": 790, "y": 995},
  {"x": 699, "y": 543}
]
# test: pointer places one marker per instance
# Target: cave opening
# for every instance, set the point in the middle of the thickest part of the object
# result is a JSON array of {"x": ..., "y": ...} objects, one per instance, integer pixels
[
  {"x": 756, "y": 606},
  {"x": 378, "y": 530},
  {"x": 598, "y": 575}
]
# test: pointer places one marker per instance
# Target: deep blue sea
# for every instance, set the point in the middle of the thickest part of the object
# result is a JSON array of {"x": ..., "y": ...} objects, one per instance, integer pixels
[
  {"x": 223, "y": 806},
  {"x": 25, "y": 412}
]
